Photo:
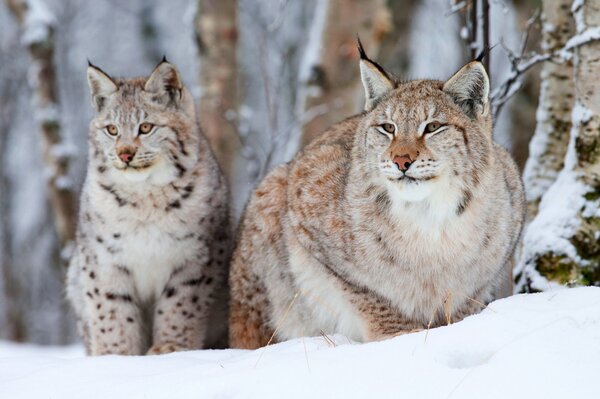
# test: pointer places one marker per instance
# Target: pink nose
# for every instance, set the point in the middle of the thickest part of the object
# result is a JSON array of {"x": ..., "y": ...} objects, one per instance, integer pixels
[
  {"x": 126, "y": 156},
  {"x": 403, "y": 162}
]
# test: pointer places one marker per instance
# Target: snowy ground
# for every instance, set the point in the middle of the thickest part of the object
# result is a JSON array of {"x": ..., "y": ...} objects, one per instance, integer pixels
[{"x": 528, "y": 346}]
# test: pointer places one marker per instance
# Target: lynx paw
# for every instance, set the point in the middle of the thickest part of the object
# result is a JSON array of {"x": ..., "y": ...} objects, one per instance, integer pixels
[
  {"x": 404, "y": 332},
  {"x": 414, "y": 330},
  {"x": 383, "y": 337},
  {"x": 166, "y": 347}
]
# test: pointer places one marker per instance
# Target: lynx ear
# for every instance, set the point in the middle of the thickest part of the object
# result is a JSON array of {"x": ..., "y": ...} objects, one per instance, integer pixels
[
  {"x": 165, "y": 84},
  {"x": 101, "y": 86},
  {"x": 376, "y": 81},
  {"x": 470, "y": 88}
]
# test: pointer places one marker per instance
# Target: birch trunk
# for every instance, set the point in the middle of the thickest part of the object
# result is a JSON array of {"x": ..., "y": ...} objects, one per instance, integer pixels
[
  {"x": 38, "y": 35},
  {"x": 333, "y": 83},
  {"x": 12, "y": 324},
  {"x": 216, "y": 34},
  {"x": 562, "y": 244},
  {"x": 548, "y": 145}
]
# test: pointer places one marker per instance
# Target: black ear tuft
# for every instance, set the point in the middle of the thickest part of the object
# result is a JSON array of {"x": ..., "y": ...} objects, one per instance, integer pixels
[
  {"x": 164, "y": 59},
  {"x": 484, "y": 53},
  {"x": 90, "y": 63},
  {"x": 361, "y": 49},
  {"x": 481, "y": 55}
]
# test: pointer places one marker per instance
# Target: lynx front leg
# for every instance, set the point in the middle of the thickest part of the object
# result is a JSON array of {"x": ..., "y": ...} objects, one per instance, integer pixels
[
  {"x": 380, "y": 319},
  {"x": 182, "y": 310},
  {"x": 114, "y": 321},
  {"x": 248, "y": 324}
]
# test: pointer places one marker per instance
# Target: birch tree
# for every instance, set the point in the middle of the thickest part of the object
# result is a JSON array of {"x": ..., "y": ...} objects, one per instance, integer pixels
[
  {"x": 216, "y": 36},
  {"x": 329, "y": 77},
  {"x": 38, "y": 35},
  {"x": 561, "y": 245},
  {"x": 548, "y": 145},
  {"x": 12, "y": 324}
]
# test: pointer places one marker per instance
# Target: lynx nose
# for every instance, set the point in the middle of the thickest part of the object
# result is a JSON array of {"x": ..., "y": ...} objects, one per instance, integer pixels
[
  {"x": 403, "y": 162},
  {"x": 126, "y": 155}
]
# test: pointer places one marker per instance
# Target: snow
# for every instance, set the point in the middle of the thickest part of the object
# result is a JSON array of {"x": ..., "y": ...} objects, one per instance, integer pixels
[
  {"x": 585, "y": 36},
  {"x": 577, "y": 11},
  {"x": 535, "y": 345},
  {"x": 38, "y": 22},
  {"x": 555, "y": 223}
]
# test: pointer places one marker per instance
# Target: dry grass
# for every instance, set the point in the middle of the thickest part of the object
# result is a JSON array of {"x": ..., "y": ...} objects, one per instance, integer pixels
[
  {"x": 329, "y": 341},
  {"x": 277, "y": 326}
]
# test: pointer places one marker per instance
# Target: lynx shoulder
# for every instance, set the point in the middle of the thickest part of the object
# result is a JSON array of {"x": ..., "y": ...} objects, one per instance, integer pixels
[
  {"x": 153, "y": 239},
  {"x": 405, "y": 215}
]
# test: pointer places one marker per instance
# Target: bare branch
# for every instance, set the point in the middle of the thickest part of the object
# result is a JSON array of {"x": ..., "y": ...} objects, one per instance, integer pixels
[{"x": 522, "y": 63}]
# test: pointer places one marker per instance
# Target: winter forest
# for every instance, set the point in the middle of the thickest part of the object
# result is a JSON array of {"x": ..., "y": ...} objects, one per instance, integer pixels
[{"x": 267, "y": 78}]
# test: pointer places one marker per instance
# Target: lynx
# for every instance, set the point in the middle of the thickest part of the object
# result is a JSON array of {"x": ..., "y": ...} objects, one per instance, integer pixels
[
  {"x": 153, "y": 239},
  {"x": 402, "y": 217}
]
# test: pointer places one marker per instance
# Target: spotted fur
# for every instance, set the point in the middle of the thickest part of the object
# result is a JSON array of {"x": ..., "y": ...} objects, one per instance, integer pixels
[
  {"x": 343, "y": 240},
  {"x": 152, "y": 249}
]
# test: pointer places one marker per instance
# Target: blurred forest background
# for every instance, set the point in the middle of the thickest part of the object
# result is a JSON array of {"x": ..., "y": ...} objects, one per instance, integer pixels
[{"x": 268, "y": 75}]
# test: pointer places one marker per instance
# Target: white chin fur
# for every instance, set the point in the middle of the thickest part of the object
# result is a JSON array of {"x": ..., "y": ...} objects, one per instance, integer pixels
[
  {"x": 160, "y": 173},
  {"x": 434, "y": 200},
  {"x": 411, "y": 191},
  {"x": 134, "y": 175}
]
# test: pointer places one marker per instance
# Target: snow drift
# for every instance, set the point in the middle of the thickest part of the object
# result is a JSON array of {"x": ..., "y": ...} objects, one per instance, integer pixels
[{"x": 536, "y": 345}]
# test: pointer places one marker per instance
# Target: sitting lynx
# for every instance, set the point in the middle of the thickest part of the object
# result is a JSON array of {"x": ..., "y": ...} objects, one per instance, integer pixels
[
  {"x": 153, "y": 239},
  {"x": 399, "y": 217}
]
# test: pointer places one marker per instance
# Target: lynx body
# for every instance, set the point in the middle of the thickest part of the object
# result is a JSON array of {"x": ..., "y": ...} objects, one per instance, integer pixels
[
  {"x": 153, "y": 239},
  {"x": 404, "y": 216}
]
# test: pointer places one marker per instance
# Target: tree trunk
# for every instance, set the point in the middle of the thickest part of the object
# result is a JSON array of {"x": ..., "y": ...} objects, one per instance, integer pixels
[
  {"x": 548, "y": 146},
  {"x": 561, "y": 245},
  {"x": 394, "y": 54},
  {"x": 332, "y": 83},
  {"x": 216, "y": 35},
  {"x": 12, "y": 324},
  {"x": 38, "y": 33}
]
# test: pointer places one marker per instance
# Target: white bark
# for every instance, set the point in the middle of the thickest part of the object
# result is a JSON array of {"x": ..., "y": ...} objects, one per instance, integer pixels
[
  {"x": 548, "y": 146},
  {"x": 561, "y": 244},
  {"x": 38, "y": 34}
]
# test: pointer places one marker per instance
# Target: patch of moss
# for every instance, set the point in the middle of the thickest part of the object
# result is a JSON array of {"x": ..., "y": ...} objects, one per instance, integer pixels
[
  {"x": 558, "y": 268},
  {"x": 586, "y": 242},
  {"x": 592, "y": 195},
  {"x": 587, "y": 149},
  {"x": 590, "y": 275},
  {"x": 593, "y": 181}
]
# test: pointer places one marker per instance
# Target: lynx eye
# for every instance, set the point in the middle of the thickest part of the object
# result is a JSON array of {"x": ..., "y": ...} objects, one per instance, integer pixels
[
  {"x": 388, "y": 127},
  {"x": 145, "y": 128},
  {"x": 432, "y": 127},
  {"x": 112, "y": 130}
]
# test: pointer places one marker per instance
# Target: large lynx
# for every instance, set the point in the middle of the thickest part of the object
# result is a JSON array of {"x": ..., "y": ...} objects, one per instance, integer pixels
[
  {"x": 398, "y": 218},
  {"x": 153, "y": 238}
]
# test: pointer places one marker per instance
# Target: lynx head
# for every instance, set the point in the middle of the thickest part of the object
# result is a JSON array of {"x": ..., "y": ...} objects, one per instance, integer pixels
[
  {"x": 425, "y": 137},
  {"x": 144, "y": 128}
]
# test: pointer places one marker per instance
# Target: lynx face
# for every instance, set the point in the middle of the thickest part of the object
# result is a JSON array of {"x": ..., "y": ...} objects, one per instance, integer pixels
[
  {"x": 426, "y": 137},
  {"x": 140, "y": 123}
]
